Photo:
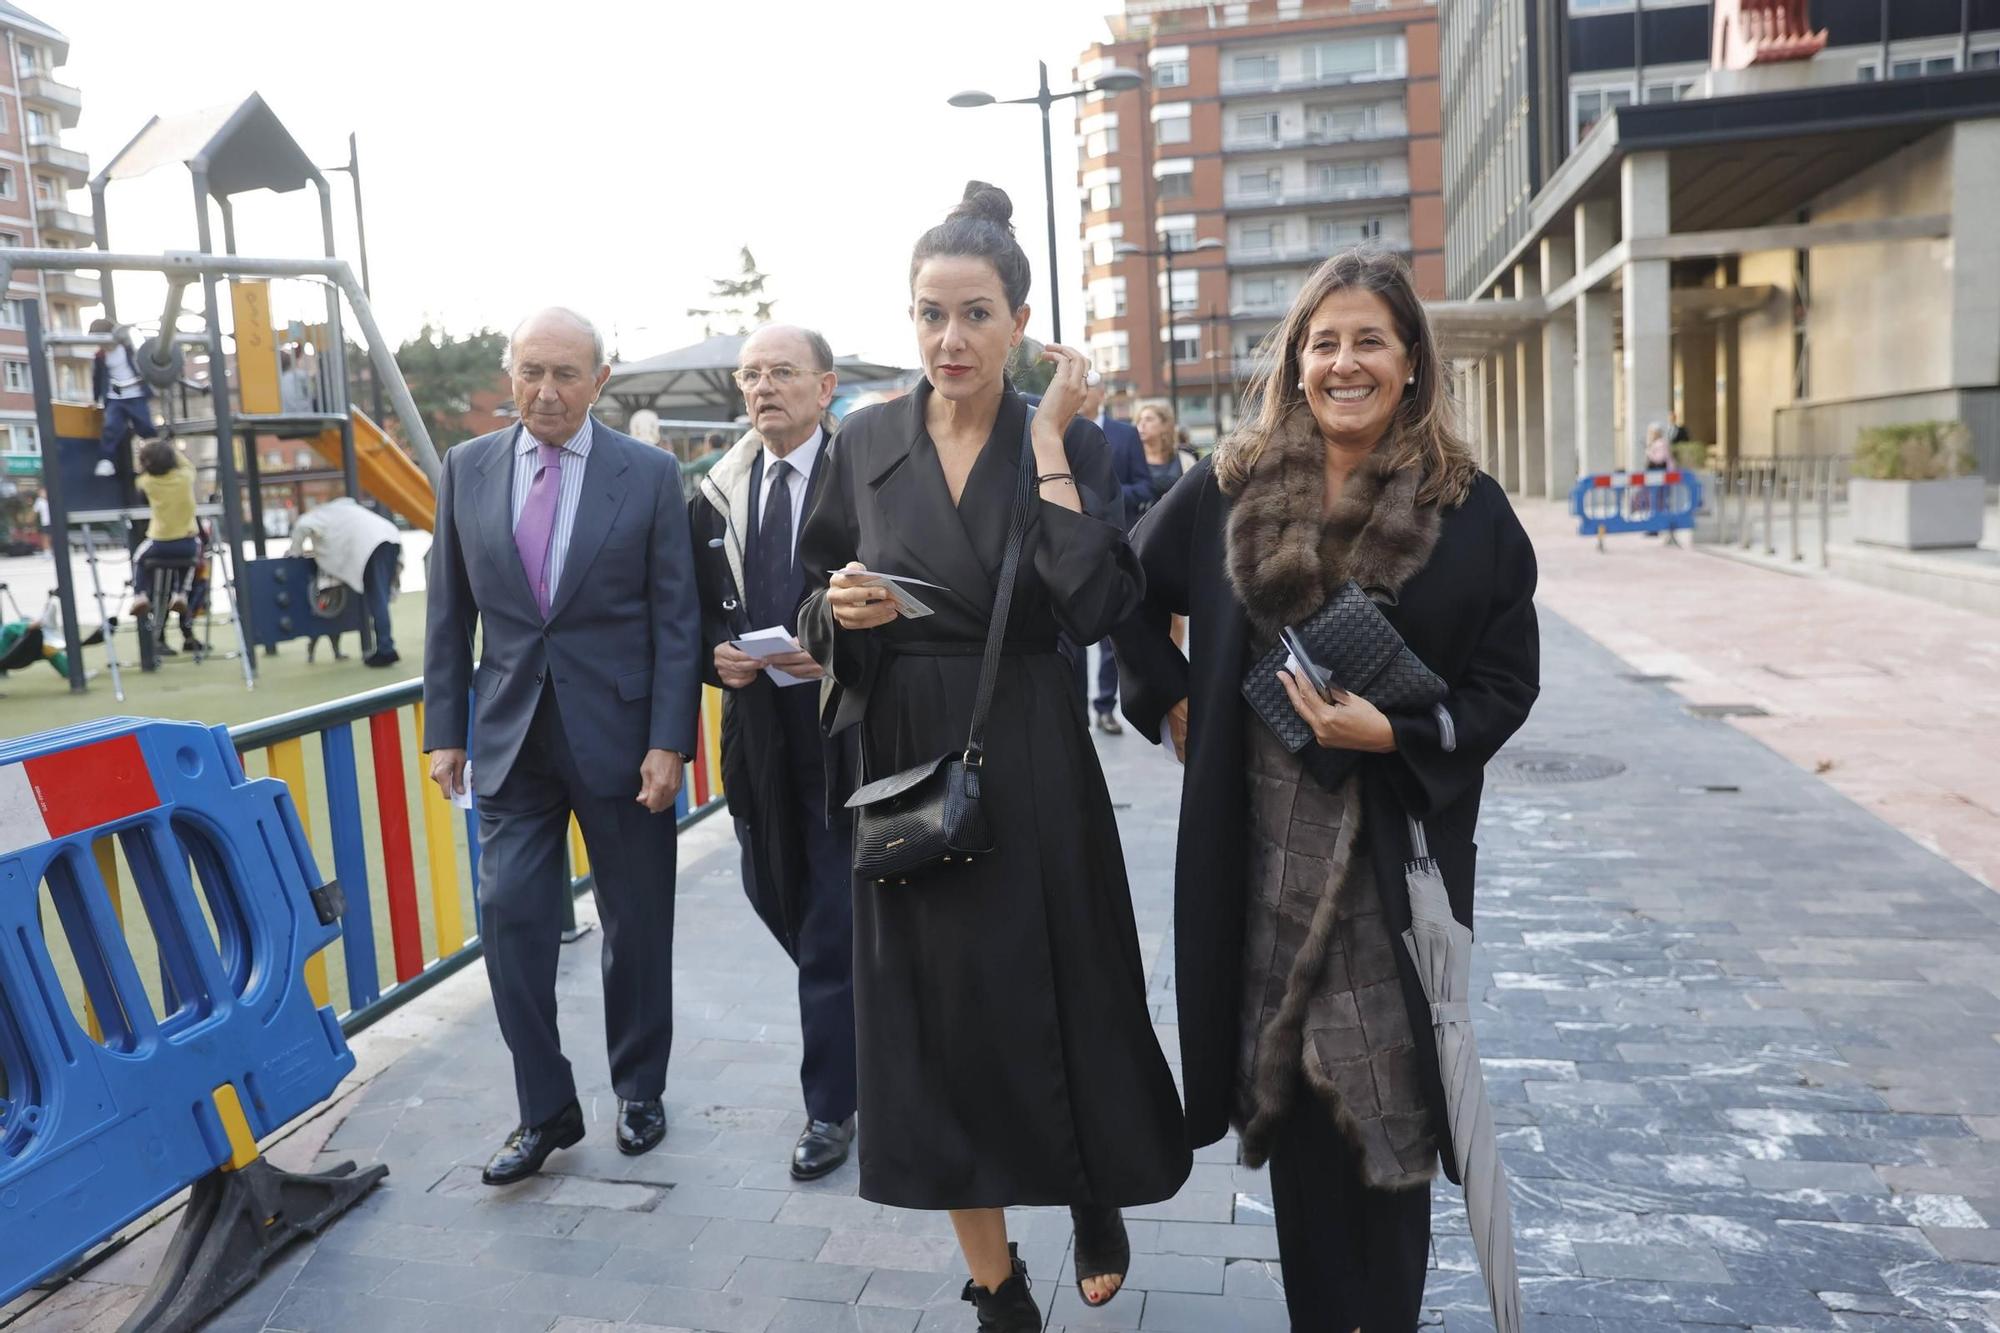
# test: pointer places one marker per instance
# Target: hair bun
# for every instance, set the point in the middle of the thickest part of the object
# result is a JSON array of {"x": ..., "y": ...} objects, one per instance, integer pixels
[{"x": 985, "y": 201}]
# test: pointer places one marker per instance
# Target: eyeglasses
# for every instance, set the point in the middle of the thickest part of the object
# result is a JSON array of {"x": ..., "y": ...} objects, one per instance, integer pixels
[{"x": 780, "y": 376}]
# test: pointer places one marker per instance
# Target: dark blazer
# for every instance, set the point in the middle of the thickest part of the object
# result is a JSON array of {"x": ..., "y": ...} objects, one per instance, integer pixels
[
  {"x": 1128, "y": 462},
  {"x": 1469, "y": 614},
  {"x": 622, "y": 634},
  {"x": 722, "y": 523}
]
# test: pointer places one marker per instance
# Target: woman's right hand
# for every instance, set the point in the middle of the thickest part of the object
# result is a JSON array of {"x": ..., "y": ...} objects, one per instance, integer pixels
[
  {"x": 855, "y": 606},
  {"x": 1177, "y": 728}
]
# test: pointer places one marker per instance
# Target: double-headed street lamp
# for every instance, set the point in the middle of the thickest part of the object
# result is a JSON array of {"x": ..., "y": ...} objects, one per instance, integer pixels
[
  {"x": 1167, "y": 251},
  {"x": 1112, "y": 80}
]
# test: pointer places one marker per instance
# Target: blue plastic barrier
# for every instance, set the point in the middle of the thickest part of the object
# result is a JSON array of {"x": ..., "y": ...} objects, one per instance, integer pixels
[
  {"x": 94, "y": 1133},
  {"x": 1662, "y": 500},
  {"x": 280, "y": 593}
]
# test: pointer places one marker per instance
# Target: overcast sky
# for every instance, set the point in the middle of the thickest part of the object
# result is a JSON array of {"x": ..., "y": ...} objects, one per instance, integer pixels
[{"x": 608, "y": 156}]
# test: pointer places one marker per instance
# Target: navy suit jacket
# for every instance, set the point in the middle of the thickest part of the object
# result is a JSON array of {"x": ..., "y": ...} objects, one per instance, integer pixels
[
  {"x": 1128, "y": 464},
  {"x": 623, "y": 634}
]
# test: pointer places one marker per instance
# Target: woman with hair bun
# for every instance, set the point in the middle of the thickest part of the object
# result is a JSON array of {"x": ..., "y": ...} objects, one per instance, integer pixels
[{"x": 1006, "y": 1051}]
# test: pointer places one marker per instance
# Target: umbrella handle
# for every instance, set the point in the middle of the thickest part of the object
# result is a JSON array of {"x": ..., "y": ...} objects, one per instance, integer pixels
[{"x": 1419, "y": 847}]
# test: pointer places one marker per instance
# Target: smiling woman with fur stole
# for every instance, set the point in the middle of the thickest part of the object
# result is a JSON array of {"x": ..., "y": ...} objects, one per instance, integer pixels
[{"x": 1302, "y": 1021}]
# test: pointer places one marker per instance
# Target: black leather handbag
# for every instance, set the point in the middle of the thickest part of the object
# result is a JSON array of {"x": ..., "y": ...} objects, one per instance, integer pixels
[
  {"x": 924, "y": 818},
  {"x": 1360, "y": 650}
]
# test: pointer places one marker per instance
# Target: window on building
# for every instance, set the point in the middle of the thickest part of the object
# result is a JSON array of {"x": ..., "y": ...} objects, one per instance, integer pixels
[
  {"x": 39, "y": 125},
  {"x": 21, "y": 437},
  {"x": 29, "y": 59},
  {"x": 49, "y": 190},
  {"x": 1257, "y": 127},
  {"x": 1330, "y": 234},
  {"x": 1184, "y": 349},
  {"x": 1984, "y": 60},
  {"x": 1342, "y": 122},
  {"x": 1187, "y": 291},
  {"x": 1253, "y": 69},
  {"x": 13, "y": 314},
  {"x": 1100, "y": 134},
  {"x": 1173, "y": 129},
  {"x": 3, "y": 117},
  {"x": 1105, "y": 190},
  {"x": 1354, "y": 58},
  {"x": 1590, "y": 105},
  {"x": 1176, "y": 231},
  {"x": 1258, "y": 238},
  {"x": 1100, "y": 240},
  {"x": 1921, "y": 66},
  {"x": 1170, "y": 74},
  {"x": 1257, "y": 183},
  {"x": 8, "y": 190},
  {"x": 10, "y": 238},
  {"x": 17, "y": 377},
  {"x": 1672, "y": 90},
  {"x": 1344, "y": 178},
  {"x": 1179, "y": 185},
  {"x": 1111, "y": 351},
  {"x": 1107, "y": 298}
]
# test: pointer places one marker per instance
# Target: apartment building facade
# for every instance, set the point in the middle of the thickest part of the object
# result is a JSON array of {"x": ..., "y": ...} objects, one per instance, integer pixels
[
  {"x": 1266, "y": 136},
  {"x": 37, "y": 174}
]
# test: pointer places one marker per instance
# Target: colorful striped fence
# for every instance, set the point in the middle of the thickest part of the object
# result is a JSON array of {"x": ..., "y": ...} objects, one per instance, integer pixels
[{"x": 405, "y": 857}]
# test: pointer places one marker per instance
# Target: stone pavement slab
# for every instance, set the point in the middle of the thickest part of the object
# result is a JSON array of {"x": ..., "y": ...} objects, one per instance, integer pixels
[{"x": 1740, "y": 1035}]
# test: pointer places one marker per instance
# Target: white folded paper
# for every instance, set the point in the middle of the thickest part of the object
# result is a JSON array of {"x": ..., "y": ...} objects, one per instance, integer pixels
[{"x": 768, "y": 643}]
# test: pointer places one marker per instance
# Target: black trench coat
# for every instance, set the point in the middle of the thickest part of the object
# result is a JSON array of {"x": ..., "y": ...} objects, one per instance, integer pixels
[
  {"x": 1469, "y": 614},
  {"x": 1007, "y": 1054}
]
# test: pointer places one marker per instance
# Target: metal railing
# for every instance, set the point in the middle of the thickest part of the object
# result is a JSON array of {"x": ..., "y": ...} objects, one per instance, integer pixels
[
  {"x": 362, "y": 819},
  {"x": 1315, "y": 194},
  {"x": 1305, "y": 82},
  {"x": 1760, "y": 501},
  {"x": 1323, "y": 138}
]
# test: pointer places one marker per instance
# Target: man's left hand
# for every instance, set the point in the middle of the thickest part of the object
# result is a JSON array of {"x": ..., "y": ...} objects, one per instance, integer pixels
[
  {"x": 659, "y": 780},
  {"x": 1341, "y": 722},
  {"x": 799, "y": 664}
]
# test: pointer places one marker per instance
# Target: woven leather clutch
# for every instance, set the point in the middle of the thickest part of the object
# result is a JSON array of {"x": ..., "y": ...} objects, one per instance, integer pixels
[{"x": 1360, "y": 650}]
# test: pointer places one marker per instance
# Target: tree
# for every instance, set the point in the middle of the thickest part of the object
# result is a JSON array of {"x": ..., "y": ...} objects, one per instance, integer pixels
[
  {"x": 444, "y": 372},
  {"x": 740, "y": 300}
]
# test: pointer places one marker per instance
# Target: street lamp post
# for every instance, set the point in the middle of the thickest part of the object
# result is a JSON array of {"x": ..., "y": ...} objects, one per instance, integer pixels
[
  {"x": 1166, "y": 252},
  {"x": 1112, "y": 80}
]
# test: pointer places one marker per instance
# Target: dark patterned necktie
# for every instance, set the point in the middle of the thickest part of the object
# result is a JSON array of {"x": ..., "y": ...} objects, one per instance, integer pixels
[{"x": 771, "y": 580}]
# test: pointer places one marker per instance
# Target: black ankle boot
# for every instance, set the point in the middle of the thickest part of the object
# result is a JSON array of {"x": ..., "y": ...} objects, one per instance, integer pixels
[{"x": 1011, "y": 1309}]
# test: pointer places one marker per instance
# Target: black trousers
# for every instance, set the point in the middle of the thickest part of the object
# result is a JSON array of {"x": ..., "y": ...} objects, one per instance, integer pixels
[
  {"x": 523, "y": 833},
  {"x": 1353, "y": 1257}
]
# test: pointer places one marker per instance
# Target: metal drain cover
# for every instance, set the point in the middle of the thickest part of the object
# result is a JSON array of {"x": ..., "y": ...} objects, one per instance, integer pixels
[
  {"x": 1727, "y": 710},
  {"x": 1544, "y": 766}
]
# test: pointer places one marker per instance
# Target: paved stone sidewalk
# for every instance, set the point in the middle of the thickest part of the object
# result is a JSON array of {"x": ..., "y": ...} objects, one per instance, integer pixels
[{"x": 1741, "y": 1036}]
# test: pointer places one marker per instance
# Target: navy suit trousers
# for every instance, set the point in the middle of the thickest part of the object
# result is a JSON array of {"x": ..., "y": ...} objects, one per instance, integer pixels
[{"x": 523, "y": 835}]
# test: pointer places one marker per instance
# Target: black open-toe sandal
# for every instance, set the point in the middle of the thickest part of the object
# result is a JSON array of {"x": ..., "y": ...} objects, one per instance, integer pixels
[{"x": 1102, "y": 1249}]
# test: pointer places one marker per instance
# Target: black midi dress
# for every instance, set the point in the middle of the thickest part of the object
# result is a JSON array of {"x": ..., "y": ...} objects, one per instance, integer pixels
[{"x": 1007, "y": 1055}]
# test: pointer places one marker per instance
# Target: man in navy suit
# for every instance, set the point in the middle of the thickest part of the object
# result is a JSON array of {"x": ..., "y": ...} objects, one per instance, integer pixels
[
  {"x": 1128, "y": 464},
  {"x": 566, "y": 544},
  {"x": 778, "y": 768}
]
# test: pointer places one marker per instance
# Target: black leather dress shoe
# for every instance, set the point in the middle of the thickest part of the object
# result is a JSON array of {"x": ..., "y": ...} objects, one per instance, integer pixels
[
  {"x": 641, "y": 1126},
  {"x": 822, "y": 1148},
  {"x": 530, "y": 1145}
]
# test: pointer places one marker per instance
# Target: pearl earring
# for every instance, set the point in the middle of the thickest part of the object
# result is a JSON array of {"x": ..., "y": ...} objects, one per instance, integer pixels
[{"x": 1411, "y": 380}]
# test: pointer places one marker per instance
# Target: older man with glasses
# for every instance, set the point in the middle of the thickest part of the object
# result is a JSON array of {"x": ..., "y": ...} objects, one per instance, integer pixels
[{"x": 778, "y": 768}]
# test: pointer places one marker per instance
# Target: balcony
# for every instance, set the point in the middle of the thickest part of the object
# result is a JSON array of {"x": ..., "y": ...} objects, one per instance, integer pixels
[
  {"x": 1308, "y": 82},
  {"x": 1314, "y": 139},
  {"x": 57, "y": 222},
  {"x": 74, "y": 287},
  {"x": 1315, "y": 194},
  {"x": 39, "y": 90},
  {"x": 1309, "y": 252},
  {"x": 73, "y": 167}
]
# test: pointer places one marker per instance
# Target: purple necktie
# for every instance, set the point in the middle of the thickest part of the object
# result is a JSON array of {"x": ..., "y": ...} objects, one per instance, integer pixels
[{"x": 538, "y": 522}]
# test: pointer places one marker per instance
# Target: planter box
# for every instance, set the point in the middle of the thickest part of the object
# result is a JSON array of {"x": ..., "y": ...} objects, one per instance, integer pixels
[{"x": 1918, "y": 515}]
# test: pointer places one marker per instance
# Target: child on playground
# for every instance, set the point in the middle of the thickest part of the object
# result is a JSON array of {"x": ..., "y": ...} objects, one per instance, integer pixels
[{"x": 166, "y": 478}]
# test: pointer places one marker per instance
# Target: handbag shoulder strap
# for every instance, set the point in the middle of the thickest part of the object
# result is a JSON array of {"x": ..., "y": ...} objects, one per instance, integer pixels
[{"x": 1003, "y": 596}]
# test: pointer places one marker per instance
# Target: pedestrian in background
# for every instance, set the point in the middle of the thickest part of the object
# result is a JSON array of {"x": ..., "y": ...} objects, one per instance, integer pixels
[
  {"x": 1302, "y": 1020},
  {"x": 361, "y": 550},
  {"x": 1007, "y": 1054},
  {"x": 117, "y": 386},
  {"x": 1128, "y": 464}
]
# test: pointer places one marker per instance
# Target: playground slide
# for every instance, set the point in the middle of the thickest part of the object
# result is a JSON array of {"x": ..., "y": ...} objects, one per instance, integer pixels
[{"x": 386, "y": 472}]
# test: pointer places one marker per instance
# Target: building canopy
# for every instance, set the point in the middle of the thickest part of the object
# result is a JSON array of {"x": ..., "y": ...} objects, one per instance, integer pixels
[
  {"x": 241, "y": 147},
  {"x": 695, "y": 383}
]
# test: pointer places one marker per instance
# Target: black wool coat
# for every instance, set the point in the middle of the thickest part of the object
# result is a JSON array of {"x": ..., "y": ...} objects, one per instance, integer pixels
[
  {"x": 1006, "y": 1051},
  {"x": 1468, "y": 613}
]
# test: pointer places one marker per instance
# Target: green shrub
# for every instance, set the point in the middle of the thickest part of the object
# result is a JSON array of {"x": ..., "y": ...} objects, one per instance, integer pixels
[
  {"x": 1691, "y": 455},
  {"x": 1913, "y": 451}
]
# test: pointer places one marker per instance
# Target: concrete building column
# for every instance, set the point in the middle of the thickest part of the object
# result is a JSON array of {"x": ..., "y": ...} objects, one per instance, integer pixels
[
  {"x": 1729, "y": 411},
  {"x": 1559, "y": 466},
  {"x": 1649, "y": 318},
  {"x": 1477, "y": 413},
  {"x": 1596, "y": 421},
  {"x": 1507, "y": 392},
  {"x": 1529, "y": 444},
  {"x": 1975, "y": 252}
]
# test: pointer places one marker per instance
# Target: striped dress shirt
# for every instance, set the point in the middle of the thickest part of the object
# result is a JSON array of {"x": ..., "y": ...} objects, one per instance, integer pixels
[{"x": 576, "y": 450}]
